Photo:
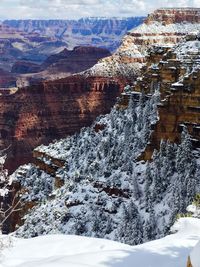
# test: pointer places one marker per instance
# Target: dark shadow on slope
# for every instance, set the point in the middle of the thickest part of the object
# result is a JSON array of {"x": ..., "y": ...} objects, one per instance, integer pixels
[{"x": 141, "y": 257}]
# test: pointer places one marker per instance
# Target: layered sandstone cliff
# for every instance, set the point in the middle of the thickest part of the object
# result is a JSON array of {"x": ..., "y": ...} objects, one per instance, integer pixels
[
  {"x": 164, "y": 26},
  {"x": 52, "y": 110},
  {"x": 176, "y": 73},
  {"x": 175, "y": 15}
]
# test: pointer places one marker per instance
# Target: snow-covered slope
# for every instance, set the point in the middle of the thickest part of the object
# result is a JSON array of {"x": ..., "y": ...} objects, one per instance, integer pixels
[
  {"x": 77, "y": 251},
  {"x": 195, "y": 256}
]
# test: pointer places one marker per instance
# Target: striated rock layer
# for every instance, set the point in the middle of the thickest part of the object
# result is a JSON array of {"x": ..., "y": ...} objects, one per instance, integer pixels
[
  {"x": 51, "y": 110},
  {"x": 176, "y": 73},
  {"x": 41, "y": 113},
  {"x": 175, "y": 15},
  {"x": 164, "y": 26}
]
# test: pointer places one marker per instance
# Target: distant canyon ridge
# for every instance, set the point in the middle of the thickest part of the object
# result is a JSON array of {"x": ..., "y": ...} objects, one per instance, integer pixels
[
  {"x": 100, "y": 32},
  {"x": 28, "y": 46}
]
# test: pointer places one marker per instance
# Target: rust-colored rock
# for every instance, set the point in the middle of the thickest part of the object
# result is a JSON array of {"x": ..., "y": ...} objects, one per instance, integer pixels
[
  {"x": 51, "y": 110},
  {"x": 179, "y": 82}
]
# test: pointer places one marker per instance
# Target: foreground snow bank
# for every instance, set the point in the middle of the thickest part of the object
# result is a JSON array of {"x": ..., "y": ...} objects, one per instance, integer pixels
[
  {"x": 79, "y": 251},
  {"x": 195, "y": 256}
]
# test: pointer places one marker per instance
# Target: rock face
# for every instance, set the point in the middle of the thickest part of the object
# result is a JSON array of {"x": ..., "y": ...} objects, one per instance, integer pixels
[
  {"x": 52, "y": 110},
  {"x": 164, "y": 26},
  {"x": 60, "y": 65},
  {"x": 100, "y": 32},
  {"x": 175, "y": 72},
  {"x": 175, "y": 15}
]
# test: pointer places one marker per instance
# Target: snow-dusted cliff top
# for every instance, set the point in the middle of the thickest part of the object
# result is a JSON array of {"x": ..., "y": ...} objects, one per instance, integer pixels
[{"x": 158, "y": 28}]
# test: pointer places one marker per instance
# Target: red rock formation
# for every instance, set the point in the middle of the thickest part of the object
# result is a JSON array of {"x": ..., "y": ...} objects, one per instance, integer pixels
[
  {"x": 178, "y": 77},
  {"x": 39, "y": 114},
  {"x": 175, "y": 15}
]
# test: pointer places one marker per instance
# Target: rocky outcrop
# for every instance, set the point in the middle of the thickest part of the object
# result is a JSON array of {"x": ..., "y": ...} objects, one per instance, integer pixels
[
  {"x": 51, "y": 110},
  {"x": 162, "y": 27},
  {"x": 100, "y": 32},
  {"x": 175, "y": 72}
]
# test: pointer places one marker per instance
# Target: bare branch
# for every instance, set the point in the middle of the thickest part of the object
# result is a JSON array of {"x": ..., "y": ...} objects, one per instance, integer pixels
[{"x": 10, "y": 200}]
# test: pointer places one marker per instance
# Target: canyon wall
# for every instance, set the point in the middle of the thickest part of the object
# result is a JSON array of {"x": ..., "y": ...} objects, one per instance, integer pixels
[
  {"x": 174, "y": 15},
  {"x": 51, "y": 110},
  {"x": 175, "y": 72}
]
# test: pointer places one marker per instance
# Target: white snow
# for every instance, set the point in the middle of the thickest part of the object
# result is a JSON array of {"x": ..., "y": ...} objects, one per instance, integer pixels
[
  {"x": 78, "y": 251},
  {"x": 195, "y": 256},
  {"x": 187, "y": 48},
  {"x": 158, "y": 28}
]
